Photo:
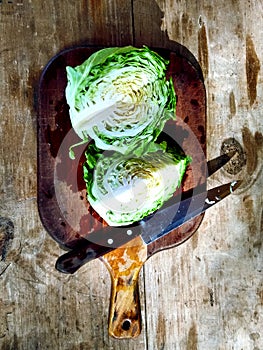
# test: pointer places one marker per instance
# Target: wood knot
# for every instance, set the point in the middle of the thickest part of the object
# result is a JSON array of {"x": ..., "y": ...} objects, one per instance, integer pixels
[
  {"x": 233, "y": 148},
  {"x": 6, "y": 236}
]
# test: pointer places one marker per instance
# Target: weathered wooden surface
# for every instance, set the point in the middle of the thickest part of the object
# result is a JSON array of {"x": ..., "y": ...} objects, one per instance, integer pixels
[{"x": 205, "y": 294}]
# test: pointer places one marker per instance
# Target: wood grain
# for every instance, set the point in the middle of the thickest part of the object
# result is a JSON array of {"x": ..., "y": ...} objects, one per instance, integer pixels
[
  {"x": 206, "y": 294},
  {"x": 124, "y": 265}
]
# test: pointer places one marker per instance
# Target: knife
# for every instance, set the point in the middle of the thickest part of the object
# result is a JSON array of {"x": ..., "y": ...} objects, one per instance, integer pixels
[{"x": 175, "y": 213}]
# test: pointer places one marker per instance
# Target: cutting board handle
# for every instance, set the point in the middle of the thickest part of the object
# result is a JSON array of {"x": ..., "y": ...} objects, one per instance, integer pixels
[{"x": 124, "y": 265}]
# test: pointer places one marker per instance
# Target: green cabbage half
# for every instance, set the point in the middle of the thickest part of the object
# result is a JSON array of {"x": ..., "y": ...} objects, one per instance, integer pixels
[
  {"x": 120, "y": 97},
  {"x": 123, "y": 189}
]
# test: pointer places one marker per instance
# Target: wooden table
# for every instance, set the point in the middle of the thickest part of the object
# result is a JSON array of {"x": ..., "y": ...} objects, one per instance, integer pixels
[{"x": 205, "y": 294}]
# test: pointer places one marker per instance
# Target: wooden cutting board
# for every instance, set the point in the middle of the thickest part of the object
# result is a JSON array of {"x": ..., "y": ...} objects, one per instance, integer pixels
[{"x": 62, "y": 204}]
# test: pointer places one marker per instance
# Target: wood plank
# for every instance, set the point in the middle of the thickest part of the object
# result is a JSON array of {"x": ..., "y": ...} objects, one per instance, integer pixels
[
  {"x": 39, "y": 307},
  {"x": 206, "y": 293}
]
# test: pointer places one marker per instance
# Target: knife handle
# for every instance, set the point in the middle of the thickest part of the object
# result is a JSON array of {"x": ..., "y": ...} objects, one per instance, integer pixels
[
  {"x": 95, "y": 245},
  {"x": 124, "y": 265}
]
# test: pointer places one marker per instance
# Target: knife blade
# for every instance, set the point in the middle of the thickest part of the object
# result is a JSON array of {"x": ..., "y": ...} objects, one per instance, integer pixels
[{"x": 173, "y": 215}]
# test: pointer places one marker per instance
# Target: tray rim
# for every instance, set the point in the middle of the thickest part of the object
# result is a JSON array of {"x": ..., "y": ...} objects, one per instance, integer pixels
[{"x": 180, "y": 53}]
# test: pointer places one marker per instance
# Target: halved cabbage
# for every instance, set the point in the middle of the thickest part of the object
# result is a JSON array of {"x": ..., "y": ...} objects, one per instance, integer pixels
[
  {"x": 121, "y": 98},
  {"x": 123, "y": 189}
]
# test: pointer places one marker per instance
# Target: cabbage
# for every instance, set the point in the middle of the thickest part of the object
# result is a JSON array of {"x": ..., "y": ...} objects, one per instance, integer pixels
[
  {"x": 123, "y": 189},
  {"x": 120, "y": 98}
]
